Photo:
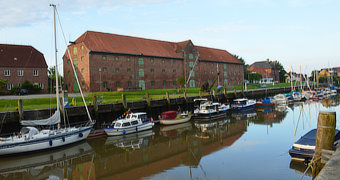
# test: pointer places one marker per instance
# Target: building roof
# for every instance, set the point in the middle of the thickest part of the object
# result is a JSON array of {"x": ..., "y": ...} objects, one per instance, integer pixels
[
  {"x": 262, "y": 64},
  {"x": 113, "y": 43},
  {"x": 21, "y": 56}
]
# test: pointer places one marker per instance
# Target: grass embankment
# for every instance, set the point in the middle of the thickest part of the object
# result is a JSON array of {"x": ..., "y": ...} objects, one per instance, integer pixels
[{"x": 110, "y": 97}]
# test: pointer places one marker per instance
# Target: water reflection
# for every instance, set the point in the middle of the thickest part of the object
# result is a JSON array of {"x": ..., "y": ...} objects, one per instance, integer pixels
[{"x": 203, "y": 150}]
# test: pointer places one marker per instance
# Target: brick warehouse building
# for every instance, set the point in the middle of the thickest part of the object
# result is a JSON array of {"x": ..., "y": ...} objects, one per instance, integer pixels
[
  {"x": 268, "y": 70},
  {"x": 106, "y": 61},
  {"x": 19, "y": 63}
]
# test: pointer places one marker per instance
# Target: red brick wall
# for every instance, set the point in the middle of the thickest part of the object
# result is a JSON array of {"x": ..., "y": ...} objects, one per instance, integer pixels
[{"x": 28, "y": 75}]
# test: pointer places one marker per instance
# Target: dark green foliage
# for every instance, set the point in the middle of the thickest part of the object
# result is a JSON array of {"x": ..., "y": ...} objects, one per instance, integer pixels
[
  {"x": 31, "y": 88},
  {"x": 3, "y": 83},
  {"x": 205, "y": 87},
  {"x": 282, "y": 70},
  {"x": 181, "y": 81},
  {"x": 51, "y": 80}
]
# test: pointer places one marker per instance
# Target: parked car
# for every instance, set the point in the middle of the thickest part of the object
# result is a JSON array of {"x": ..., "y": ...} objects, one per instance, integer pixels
[{"x": 21, "y": 92}]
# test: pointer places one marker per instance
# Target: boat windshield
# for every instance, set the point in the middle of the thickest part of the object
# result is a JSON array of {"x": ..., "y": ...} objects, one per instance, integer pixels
[
  {"x": 126, "y": 124},
  {"x": 134, "y": 122},
  {"x": 118, "y": 124},
  {"x": 143, "y": 117}
]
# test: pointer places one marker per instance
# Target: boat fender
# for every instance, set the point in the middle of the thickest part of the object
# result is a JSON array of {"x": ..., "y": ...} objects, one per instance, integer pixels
[
  {"x": 124, "y": 132},
  {"x": 80, "y": 134},
  {"x": 50, "y": 141},
  {"x": 63, "y": 138}
]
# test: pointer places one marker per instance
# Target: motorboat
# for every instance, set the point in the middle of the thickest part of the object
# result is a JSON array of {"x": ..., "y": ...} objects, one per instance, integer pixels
[
  {"x": 205, "y": 109},
  {"x": 265, "y": 103},
  {"x": 280, "y": 99},
  {"x": 131, "y": 123},
  {"x": 304, "y": 148},
  {"x": 243, "y": 103},
  {"x": 174, "y": 117}
]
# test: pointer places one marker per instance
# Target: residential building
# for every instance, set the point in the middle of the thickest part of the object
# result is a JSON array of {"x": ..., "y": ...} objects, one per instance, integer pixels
[
  {"x": 106, "y": 62},
  {"x": 20, "y": 63},
  {"x": 294, "y": 76},
  {"x": 268, "y": 70}
]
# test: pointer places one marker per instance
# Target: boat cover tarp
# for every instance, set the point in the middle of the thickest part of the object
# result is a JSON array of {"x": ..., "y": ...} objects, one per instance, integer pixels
[
  {"x": 55, "y": 119},
  {"x": 310, "y": 137},
  {"x": 169, "y": 115}
]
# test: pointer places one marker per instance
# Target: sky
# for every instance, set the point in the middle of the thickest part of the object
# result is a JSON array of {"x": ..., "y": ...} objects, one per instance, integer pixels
[{"x": 304, "y": 34}]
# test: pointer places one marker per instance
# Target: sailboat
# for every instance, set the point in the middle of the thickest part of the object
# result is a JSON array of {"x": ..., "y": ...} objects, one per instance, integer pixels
[{"x": 32, "y": 139}]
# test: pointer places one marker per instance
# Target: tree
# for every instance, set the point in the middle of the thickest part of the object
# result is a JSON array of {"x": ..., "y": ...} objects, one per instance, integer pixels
[
  {"x": 253, "y": 76},
  {"x": 3, "y": 83},
  {"x": 245, "y": 66},
  {"x": 51, "y": 79},
  {"x": 181, "y": 81}
]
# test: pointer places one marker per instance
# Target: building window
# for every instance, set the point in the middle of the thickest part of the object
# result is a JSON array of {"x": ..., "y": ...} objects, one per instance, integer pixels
[
  {"x": 7, "y": 72},
  {"x": 128, "y": 59},
  {"x": 82, "y": 70},
  {"x": 141, "y": 73},
  {"x": 164, "y": 83},
  {"x": 105, "y": 84},
  {"x": 9, "y": 86},
  {"x": 118, "y": 84},
  {"x": 129, "y": 84},
  {"x": 104, "y": 69},
  {"x": 205, "y": 72},
  {"x": 225, "y": 74},
  {"x": 75, "y": 51},
  {"x": 140, "y": 61},
  {"x": 152, "y": 70},
  {"x": 141, "y": 84},
  {"x": 41, "y": 85},
  {"x": 192, "y": 83},
  {"x": 174, "y": 71},
  {"x": 175, "y": 84},
  {"x": 83, "y": 84},
  {"x": 212, "y": 72},
  {"x": 224, "y": 66},
  {"x": 82, "y": 47},
  {"x": 225, "y": 82},
  {"x": 68, "y": 73},
  {"x": 75, "y": 61},
  {"x": 117, "y": 70},
  {"x": 128, "y": 70},
  {"x": 192, "y": 73},
  {"x": 163, "y": 70},
  {"x": 173, "y": 61},
  {"x": 191, "y": 56},
  {"x": 68, "y": 61},
  {"x": 104, "y": 58},
  {"x": 20, "y": 72},
  {"x": 82, "y": 58},
  {"x": 152, "y": 83},
  {"x": 35, "y": 72},
  {"x": 15, "y": 58},
  {"x": 151, "y": 60},
  {"x": 117, "y": 58},
  {"x": 163, "y": 61},
  {"x": 191, "y": 64}
]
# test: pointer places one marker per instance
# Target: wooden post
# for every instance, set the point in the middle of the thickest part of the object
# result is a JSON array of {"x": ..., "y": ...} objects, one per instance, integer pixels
[
  {"x": 235, "y": 92},
  {"x": 167, "y": 97},
  {"x": 200, "y": 93},
  {"x": 225, "y": 92},
  {"x": 185, "y": 96},
  {"x": 124, "y": 101},
  {"x": 147, "y": 99},
  {"x": 245, "y": 86},
  {"x": 324, "y": 138},
  {"x": 20, "y": 109},
  {"x": 242, "y": 91},
  {"x": 214, "y": 94}
]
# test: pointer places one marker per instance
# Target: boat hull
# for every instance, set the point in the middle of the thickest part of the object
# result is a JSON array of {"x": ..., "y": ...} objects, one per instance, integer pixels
[
  {"x": 302, "y": 154},
  {"x": 50, "y": 142},
  {"x": 209, "y": 116},
  {"x": 122, "y": 131},
  {"x": 240, "y": 108},
  {"x": 174, "y": 121}
]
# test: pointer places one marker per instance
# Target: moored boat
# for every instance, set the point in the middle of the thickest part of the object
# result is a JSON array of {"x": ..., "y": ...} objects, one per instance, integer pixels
[
  {"x": 174, "y": 117},
  {"x": 280, "y": 99},
  {"x": 133, "y": 122},
  {"x": 243, "y": 103},
  {"x": 205, "y": 109},
  {"x": 266, "y": 103},
  {"x": 304, "y": 148}
]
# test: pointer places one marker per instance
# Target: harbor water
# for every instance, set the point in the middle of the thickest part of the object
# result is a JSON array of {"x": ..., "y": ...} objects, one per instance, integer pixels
[{"x": 250, "y": 144}]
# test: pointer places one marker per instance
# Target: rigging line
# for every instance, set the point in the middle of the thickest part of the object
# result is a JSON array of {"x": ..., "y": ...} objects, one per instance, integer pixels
[
  {"x": 72, "y": 65},
  {"x": 297, "y": 124}
]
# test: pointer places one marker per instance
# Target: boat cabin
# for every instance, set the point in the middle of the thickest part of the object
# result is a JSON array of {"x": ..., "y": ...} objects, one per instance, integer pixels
[{"x": 131, "y": 119}]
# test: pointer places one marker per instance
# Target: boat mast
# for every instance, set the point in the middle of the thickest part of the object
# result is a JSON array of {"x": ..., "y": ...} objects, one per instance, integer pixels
[
  {"x": 291, "y": 77},
  {"x": 55, "y": 58}
]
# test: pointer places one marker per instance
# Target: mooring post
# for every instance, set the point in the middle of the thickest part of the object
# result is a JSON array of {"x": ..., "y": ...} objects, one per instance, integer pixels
[
  {"x": 200, "y": 93},
  {"x": 147, "y": 99},
  {"x": 235, "y": 92},
  {"x": 20, "y": 109},
  {"x": 185, "y": 96},
  {"x": 242, "y": 91},
  {"x": 167, "y": 97},
  {"x": 324, "y": 138},
  {"x": 245, "y": 86},
  {"x": 124, "y": 101},
  {"x": 214, "y": 94}
]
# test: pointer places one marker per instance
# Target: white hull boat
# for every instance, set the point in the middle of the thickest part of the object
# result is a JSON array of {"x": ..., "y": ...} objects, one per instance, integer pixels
[{"x": 172, "y": 117}]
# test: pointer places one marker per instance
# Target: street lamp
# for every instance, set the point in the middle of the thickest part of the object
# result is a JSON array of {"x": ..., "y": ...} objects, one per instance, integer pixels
[{"x": 100, "y": 79}]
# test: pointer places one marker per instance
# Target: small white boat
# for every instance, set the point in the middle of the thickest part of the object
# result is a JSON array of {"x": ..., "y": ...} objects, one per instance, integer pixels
[
  {"x": 280, "y": 99},
  {"x": 205, "y": 109},
  {"x": 243, "y": 103},
  {"x": 174, "y": 117},
  {"x": 133, "y": 122},
  {"x": 134, "y": 141}
]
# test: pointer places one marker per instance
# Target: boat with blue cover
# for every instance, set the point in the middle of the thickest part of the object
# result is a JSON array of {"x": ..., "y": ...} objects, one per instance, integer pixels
[
  {"x": 243, "y": 104},
  {"x": 304, "y": 148}
]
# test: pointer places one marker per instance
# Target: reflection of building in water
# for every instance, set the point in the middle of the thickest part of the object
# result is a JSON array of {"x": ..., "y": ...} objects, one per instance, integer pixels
[
  {"x": 330, "y": 102},
  {"x": 244, "y": 115},
  {"x": 162, "y": 153},
  {"x": 59, "y": 164}
]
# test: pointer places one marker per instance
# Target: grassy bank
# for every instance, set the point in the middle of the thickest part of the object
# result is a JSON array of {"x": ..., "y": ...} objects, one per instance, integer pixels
[{"x": 110, "y": 97}]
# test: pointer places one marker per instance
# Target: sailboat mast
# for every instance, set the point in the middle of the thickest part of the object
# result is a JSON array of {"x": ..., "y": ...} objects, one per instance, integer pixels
[{"x": 55, "y": 58}]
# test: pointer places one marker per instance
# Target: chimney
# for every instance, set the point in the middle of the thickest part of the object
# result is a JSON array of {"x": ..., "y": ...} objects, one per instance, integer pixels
[{"x": 267, "y": 60}]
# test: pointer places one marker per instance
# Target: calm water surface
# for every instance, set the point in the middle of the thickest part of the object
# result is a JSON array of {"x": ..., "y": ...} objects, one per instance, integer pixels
[{"x": 248, "y": 145}]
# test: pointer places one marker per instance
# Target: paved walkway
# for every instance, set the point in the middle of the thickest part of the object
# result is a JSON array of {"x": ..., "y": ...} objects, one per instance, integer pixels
[
  {"x": 332, "y": 168},
  {"x": 32, "y": 96}
]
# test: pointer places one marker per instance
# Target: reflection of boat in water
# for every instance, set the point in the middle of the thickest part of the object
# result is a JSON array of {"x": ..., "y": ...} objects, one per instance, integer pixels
[
  {"x": 247, "y": 114},
  {"x": 134, "y": 141},
  {"x": 210, "y": 126},
  {"x": 281, "y": 108},
  {"x": 300, "y": 167},
  {"x": 43, "y": 165},
  {"x": 304, "y": 148},
  {"x": 175, "y": 130}
]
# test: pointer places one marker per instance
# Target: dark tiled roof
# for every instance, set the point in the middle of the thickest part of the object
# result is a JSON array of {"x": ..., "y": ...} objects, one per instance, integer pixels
[
  {"x": 21, "y": 56},
  {"x": 262, "y": 64},
  {"x": 113, "y": 43}
]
